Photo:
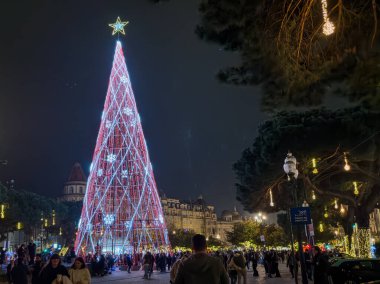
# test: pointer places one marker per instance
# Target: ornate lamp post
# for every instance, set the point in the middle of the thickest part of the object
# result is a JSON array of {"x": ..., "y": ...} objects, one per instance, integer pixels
[
  {"x": 290, "y": 168},
  {"x": 260, "y": 217}
]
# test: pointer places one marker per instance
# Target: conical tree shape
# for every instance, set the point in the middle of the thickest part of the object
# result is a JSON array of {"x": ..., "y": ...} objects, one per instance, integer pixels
[{"x": 121, "y": 210}]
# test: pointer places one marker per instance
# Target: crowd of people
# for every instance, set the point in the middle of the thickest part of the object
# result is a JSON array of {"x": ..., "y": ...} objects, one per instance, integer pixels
[
  {"x": 196, "y": 266},
  {"x": 25, "y": 265}
]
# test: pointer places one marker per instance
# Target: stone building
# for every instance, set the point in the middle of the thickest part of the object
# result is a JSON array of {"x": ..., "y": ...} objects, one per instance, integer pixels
[
  {"x": 75, "y": 187},
  {"x": 199, "y": 217}
]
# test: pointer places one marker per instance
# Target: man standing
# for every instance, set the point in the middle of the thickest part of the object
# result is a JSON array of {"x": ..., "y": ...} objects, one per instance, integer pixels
[{"x": 201, "y": 268}]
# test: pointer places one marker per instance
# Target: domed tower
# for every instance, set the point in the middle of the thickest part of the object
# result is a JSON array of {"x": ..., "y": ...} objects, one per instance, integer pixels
[{"x": 75, "y": 187}]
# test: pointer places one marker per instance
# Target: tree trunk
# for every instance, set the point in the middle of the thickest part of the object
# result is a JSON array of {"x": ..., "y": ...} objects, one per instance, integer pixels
[{"x": 362, "y": 217}]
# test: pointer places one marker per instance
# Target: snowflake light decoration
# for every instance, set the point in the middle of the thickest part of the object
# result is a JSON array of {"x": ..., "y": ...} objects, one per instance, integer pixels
[
  {"x": 111, "y": 158},
  {"x": 109, "y": 219},
  {"x": 123, "y": 79},
  {"x": 128, "y": 111},
  {"x": 124, "y": 173}
]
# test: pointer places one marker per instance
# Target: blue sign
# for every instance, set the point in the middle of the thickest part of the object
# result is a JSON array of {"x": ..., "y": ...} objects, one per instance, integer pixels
[{"x": 300, "y": 215}]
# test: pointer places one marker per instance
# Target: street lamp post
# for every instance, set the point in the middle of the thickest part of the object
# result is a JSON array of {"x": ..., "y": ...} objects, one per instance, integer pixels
[
  {"x": 260, "y": 218},
  {"x": 290, "y": 168}
]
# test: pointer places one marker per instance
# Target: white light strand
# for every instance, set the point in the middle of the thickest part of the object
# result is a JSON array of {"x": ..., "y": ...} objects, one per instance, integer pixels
[
  {"x": 271, "y": 198},
  {"x": 121, "y": 164},
  {"x": 328, "y": 26}
]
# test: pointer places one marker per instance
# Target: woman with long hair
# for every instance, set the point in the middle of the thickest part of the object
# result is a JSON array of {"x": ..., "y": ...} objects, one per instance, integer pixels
[
  {"x": 79, "y": 274},
  {"x": 53, "y": 271}
]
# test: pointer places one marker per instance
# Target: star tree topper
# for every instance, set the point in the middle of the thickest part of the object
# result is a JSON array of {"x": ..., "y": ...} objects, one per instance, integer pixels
[{"x": 118, "y": 27}]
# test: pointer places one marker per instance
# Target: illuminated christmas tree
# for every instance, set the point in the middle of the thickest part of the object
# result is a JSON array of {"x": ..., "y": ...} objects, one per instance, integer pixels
[{"x": 121, "y": 210}]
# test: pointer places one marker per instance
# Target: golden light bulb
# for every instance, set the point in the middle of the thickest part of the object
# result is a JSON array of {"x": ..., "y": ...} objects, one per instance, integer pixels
[
  {"x": 336, "y": 204},
  {"x": 347, "y": 166},
  {"x": 321, "y": 227},
  {"x": 356, "y": 190},
  {"x": 326, "y": 215},
  {"x": 342, "y": 210},
  {"x": 314, "y": 163},
  {"x": 313, "y": 196}
]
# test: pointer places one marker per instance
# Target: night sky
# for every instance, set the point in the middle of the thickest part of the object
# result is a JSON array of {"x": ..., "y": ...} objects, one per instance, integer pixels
[{"x": 55, "y": 61}]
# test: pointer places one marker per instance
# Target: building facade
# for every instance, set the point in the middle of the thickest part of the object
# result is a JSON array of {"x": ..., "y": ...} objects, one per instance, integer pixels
[
  {"x": 198, "y": 216},
  {"x": 75, "y": 187}
]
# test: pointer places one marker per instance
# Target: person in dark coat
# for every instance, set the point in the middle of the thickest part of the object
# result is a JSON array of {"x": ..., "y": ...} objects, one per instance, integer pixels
[
  {"x": 21, "y": 251},
  {"x": 32, "y": 252},
  {"x": 255, "y": 260},
  {"x": 201, "y": 268},
  {"x": 36, "y": 269},
  {"x": 19, "y": 272},
  {"x": 52, "y": 270},
  {"x": 129, "y": 263},
  {"x": 321, "y": 265},
  {"x": 292, "y": 264}
]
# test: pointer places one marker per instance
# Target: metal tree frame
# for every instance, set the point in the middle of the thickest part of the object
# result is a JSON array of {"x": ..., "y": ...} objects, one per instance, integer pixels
[{"x": 121, "y": 211}]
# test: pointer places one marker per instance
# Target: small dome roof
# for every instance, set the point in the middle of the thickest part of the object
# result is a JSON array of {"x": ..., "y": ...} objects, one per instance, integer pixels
[
  {"x": 77, "y": 174},
  {"x": 226, "y": 213}
]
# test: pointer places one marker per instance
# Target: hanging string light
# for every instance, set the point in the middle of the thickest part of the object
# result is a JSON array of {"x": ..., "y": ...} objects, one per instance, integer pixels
[
  {"x": 314, "y": 163},
  {"x": 60, "y": 231},
  {"x": 313, "y": 195},
  {"x": 271, "y": 198},
  {"x": 2, "y": 211},
  {"x": 326, "y": 215},
  {"x": 321, "y": 227},
  {"x": 342, "y": 210},
  {"x": 336, "y": 204},
  {"x": 328, "y": 26},
  {"x": 347, "y": 166},
  {"x": 356, "y": 190},
  {"x": 53, "y": 218}
]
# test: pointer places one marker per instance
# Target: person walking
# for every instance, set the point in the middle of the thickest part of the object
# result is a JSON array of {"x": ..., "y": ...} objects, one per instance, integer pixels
[
  {"x": 129, "y": 263},
  {"x": 292, "y": 264},
  {"x": 147, "y": 265},
  {"x": 200, "y": 268},
  {"x": 275, "y": 260},
  {"x": 239, "y": 264},
  {"x": 79, "y": 274},
  {"x": 308, "y": 264},
  {"x": 231, "y": 268},
  {"x": 321, "y": 265},
  {"x": 255, "y": 261},
  {"x": 53, "y": 271}
]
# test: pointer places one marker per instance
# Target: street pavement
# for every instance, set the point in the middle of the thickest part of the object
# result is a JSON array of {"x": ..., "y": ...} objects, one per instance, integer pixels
[
  {"x": 118, "y": 277},
  {"x": 136, "y": 277}
]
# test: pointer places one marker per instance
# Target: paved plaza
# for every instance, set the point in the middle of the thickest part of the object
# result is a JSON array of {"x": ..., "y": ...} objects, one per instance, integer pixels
[{"x": 157, "y": 277}]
